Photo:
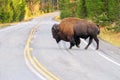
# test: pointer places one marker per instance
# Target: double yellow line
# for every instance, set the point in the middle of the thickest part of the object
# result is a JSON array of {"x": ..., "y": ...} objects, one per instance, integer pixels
[{"x": 33, "y": 63}]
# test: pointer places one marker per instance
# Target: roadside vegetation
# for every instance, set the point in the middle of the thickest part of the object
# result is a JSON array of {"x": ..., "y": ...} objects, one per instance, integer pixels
[
  {"x": 18, "y": 10},
  {"x": 106, "y": 13}
]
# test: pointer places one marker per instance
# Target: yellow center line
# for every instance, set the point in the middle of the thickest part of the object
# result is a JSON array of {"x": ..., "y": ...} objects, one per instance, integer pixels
[
  {"x": 34, "y": 61},
  {"x": 45, "y": 70}
]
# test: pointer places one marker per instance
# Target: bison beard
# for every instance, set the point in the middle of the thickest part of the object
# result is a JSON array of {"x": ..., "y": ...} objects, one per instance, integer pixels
[{"x": 72, "y": 29}]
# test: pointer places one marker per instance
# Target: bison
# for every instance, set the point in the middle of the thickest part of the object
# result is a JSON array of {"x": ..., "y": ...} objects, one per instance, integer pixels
[{"x": 72, "y": 29}]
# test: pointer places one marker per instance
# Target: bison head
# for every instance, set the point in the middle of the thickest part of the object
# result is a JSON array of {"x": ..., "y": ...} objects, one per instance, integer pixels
[{"x": 55, "y": 32}]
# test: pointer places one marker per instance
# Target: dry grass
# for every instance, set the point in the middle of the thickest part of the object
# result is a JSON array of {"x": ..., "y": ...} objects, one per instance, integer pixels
[
  {"x": 57, "y": 18},
  {"x": 112, "y": 37},
  {"x": 3, "y": 25}
]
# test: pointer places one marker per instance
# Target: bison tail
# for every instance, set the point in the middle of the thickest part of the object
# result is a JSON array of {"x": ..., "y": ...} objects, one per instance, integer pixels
[
  {"x": 98, "y": 29},
  {"x": 98, "y": 32}
]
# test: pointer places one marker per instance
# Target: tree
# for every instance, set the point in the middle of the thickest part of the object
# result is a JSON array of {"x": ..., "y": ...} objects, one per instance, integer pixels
[
  {"x": 31, "y": 5},
  {"x": 55, "y": 4},
  {"x": 82, "y": 9},
  {"x": 18, "y": 7},
  {"x": 113, "y": 10},
  {"x": 12, "y": 10},
  {"x": 68, "y": 8},
  {"x": 6, "y": 12}
]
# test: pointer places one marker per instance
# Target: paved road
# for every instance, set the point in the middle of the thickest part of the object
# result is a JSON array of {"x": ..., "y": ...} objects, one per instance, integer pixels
[
  {"x": 12, "y": 43},
  {"x": 34, "y": 55}
]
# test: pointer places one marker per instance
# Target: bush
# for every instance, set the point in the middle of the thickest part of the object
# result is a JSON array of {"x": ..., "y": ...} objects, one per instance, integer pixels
[
  {"x": 68, "y": 9},
  {"x": 102, "y": 20},
  {"x": 115, "y": 27},
  {"x": 65, "y": 13},
  {"x": 6, "y": 12},
  {"x": 114, "y": 10},
  {"x": 81, "y": 9},
  {"x": 18, "y": 9},
  {"x": 12, "y": 10}
]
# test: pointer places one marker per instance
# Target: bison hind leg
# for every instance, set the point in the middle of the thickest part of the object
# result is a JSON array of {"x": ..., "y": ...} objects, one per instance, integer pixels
[
  {"x": 90, "y": 41},
  {"x": 71, "y": 45},
  {"x": 97, "y": 41}
]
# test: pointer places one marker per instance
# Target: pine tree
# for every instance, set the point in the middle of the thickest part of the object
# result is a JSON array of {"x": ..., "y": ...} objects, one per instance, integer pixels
[
  {"x": 81, "y": 9},
  {"x": 113, "y": 10},
  {"x": 12, "y": 10},
  {"x": 18, "y": 7},
  {"x": 6, "y": 12},
  {"x": 67, "y": 8},
  {"x": 94, "y": 8}
]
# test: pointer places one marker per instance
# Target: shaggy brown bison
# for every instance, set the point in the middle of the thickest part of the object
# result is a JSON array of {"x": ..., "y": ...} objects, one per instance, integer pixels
[{"x": 72, "y": 29}]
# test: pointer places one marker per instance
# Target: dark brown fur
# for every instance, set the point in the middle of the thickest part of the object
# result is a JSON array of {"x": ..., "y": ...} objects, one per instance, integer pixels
[{"x": 85, "y": 29}]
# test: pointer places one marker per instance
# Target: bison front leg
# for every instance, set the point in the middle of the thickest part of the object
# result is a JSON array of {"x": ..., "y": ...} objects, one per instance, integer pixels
[
  {"x": 90, "y": 41},
  {"x": 77, "y": 40},
  {"x": 72, "y": 43}
]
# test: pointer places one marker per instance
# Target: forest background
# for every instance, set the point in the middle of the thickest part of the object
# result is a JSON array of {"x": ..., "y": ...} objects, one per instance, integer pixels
[{"x": 106, "y": 13}]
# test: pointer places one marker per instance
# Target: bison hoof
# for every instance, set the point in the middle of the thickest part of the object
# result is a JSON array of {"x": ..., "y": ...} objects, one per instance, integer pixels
[
  {"x": 70, "y": 47},
  {"x": 85, "y": 48},
  {"x": 78, "y": 46},
  {"x": 96, "y": 48}
]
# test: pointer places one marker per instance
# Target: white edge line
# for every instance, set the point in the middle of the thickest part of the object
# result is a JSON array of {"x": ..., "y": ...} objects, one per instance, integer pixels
[{"x": 102, "y": 55}]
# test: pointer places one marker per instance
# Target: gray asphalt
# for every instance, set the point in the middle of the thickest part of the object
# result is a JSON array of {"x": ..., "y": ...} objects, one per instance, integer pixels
[
  {"x": 74, "y": 64},
  {"x": 12, "y": 44}
]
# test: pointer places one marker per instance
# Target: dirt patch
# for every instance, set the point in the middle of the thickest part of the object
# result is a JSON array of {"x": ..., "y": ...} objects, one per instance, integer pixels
[{"x": 6, "y": 25}]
